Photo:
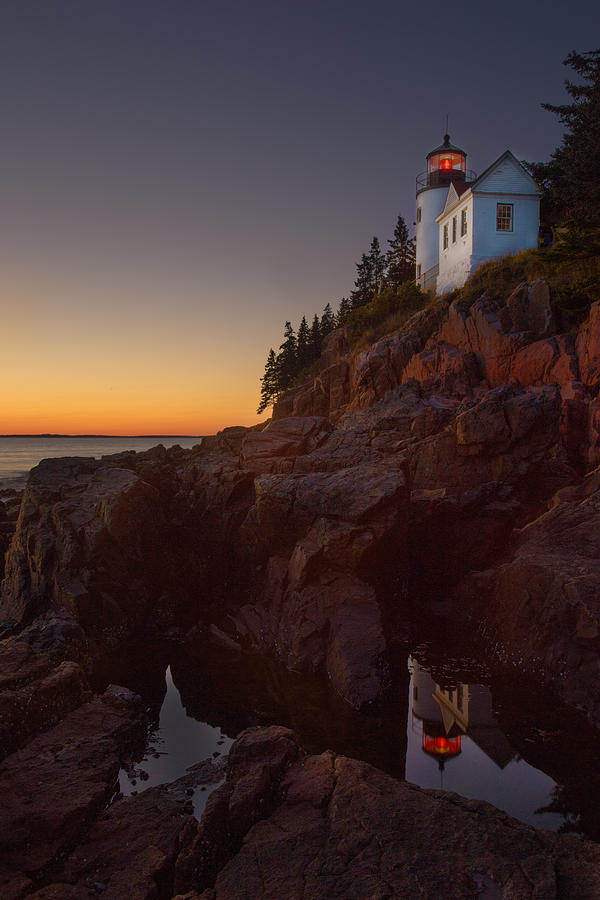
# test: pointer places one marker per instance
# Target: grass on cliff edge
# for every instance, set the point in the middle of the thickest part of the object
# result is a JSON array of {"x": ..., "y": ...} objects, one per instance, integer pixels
[
  {"x": 571, "y": 268},
  {"x": 386, "y": 312}
]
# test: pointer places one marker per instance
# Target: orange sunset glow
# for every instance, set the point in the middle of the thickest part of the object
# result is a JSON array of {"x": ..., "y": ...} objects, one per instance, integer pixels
[
  {"x": 122, "y": 367},
  {"x": 178, "y": 183}
]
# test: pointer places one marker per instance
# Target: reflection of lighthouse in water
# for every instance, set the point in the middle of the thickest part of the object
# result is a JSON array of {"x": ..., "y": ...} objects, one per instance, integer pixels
[
  {"x": 455, "y": 742},
  {"x": 447, "y": 714}
]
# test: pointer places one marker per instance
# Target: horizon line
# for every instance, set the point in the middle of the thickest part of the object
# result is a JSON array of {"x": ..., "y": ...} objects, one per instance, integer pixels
[{"x": 50, "y": 434}]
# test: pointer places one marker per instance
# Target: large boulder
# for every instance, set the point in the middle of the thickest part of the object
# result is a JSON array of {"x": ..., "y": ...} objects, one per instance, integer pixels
[
  {"x": 502, "y": 438},
  {"x": 588, "y": 347},
  {"x": 444, "y": 368},
  {"x": 288, "y": 437},
  {"x": 328, "y": 826},
  {"x": 56, "y": 785},
  {"x": 552, "y": 360},
  {"x": 380, "y": 367},
  {"x": 543, "y": 606},
  {"x": 85, "y": 533},
  {"x": 131, "y": 849},
  {"x": 319, "y": 539},
  {"x": 528, "y": 309},
  {"x": 288, "y": 505},
  {"x": 112, "y": 543}
]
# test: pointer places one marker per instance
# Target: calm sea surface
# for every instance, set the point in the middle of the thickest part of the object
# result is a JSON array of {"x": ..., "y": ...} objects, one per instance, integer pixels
[{"x": 19, "y": 454}]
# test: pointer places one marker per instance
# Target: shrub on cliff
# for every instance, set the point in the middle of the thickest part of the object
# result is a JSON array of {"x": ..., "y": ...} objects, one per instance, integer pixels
[
  {"x": 404, "y": 300},
  {"x": 572, "y": 272}
]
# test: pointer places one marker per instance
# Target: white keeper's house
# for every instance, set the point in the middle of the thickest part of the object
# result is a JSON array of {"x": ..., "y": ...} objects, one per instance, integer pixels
[{"x": 464, "y": 220}]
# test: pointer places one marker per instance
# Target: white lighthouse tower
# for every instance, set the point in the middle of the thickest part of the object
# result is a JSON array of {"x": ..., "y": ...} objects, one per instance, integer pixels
[{"x": 446, "y": 165}]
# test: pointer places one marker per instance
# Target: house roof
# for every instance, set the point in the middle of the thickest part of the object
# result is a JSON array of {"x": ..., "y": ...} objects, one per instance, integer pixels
[
  {"x": 504, "y": 156},
  {"x": 455, "y": 196},
  {"x": 455, "y": 192}
]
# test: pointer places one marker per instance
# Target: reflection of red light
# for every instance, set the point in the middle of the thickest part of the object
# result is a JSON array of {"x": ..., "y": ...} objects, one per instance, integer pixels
[
  {"x": 446, "y": 164},
  {"x": 441, "y": 746}
]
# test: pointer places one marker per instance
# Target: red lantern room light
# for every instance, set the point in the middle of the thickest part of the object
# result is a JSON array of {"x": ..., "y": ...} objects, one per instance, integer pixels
[
  {"x": 441, "y": 746},
  {"x": 446, "y": 165}
]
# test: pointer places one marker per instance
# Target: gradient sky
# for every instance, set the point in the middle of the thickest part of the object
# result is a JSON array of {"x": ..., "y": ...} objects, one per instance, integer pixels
[{"x": 179, "y": 178}]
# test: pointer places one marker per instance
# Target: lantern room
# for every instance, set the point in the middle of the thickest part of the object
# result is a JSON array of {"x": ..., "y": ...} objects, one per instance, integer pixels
[
  {"x": 441, "y": 746},
  {"x": 446, "y": 164}
]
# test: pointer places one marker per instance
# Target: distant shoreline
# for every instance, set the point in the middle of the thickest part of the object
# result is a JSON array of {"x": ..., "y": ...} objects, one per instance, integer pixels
[{"x": 106, "y": 436}]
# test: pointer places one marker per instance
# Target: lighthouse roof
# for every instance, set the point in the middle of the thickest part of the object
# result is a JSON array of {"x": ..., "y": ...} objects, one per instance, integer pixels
[{"x": 446, "y": 146}]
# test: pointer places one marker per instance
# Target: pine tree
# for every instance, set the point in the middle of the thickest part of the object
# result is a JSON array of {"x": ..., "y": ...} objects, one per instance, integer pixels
[
  {"x": 269, "y": 383},
  {"x": 569, "y": 181},
  {"x": 369, "y": 275},
  {"x": 400, "y": 258},
  {"x": 315, "y": 338},
  {"x": 377, "y": 260},
  {"x": 327, "y": 320},
  {"x": 287, "y": 359},
  {"x": 303, "y": 344},
  {"x": 343, "y": 312},
  {"x": 363, "y": 286}
]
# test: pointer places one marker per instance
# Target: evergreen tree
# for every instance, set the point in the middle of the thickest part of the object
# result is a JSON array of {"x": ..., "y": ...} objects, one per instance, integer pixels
[
  {"x": 363, "y": 286},
  {"x": 327, "y": 320},
  {"x": 315, "y": 338},
  {"x": 269, "y": 390},
  {"x": 343, "y": 312},
  {"x": 400, "y": 257},
  {"x": 287, "y": 358},
  {"x": 569, "y": 181},
  {"x": 303, "y": 344},
  {"x": 369, "y": 275},
  {"x": 377, "y": 260}
]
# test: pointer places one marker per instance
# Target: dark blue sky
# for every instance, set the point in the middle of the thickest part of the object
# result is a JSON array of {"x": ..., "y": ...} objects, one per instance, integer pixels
[{"x": 220, "y": 167}]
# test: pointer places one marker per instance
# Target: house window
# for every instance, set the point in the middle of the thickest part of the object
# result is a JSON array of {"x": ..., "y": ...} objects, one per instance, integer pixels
[
  {"x": 463, "y": 223},
  {"x": 418, "y": 213},
  {"x": 454, "y": 229},
  {"x": 445, "y": 237},
  {"x": 419, "y": 270},
  {"x": 504, "y": 217}
]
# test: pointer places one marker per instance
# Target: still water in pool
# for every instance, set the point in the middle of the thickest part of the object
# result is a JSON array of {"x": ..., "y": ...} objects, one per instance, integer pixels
[
  {"x": 447, "y": 723},
  {"x": 175, "y": 743}
]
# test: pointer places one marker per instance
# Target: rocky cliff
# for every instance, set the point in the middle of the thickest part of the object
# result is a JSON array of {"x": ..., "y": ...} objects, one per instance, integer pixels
[
  {"x": 412, "y": 463},
  {"x": 454, "y": 458}
]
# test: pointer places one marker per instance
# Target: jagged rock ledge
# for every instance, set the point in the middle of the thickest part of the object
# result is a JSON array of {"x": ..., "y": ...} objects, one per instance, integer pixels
[{"x": 289, "y": 825}]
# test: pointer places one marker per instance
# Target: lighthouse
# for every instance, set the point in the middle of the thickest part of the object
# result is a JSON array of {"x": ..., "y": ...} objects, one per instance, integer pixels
[{"x": 446, "y": 165}]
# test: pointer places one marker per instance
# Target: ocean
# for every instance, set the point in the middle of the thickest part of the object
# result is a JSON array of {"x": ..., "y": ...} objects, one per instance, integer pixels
[{"x": 20, "y": 454}]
